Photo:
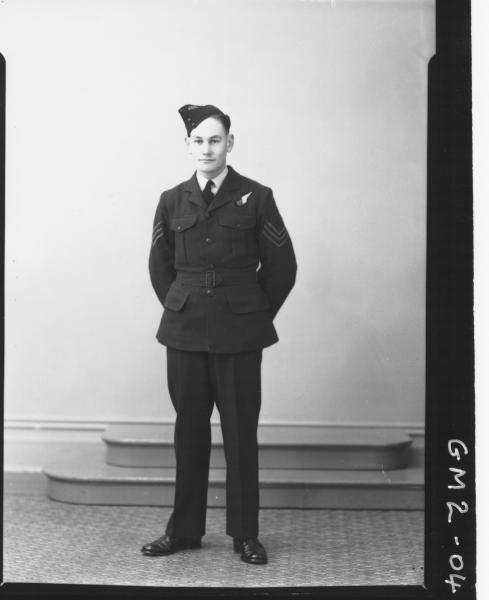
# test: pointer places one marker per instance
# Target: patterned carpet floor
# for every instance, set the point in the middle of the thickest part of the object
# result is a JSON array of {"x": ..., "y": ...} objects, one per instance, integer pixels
[{"x": 52, "y": 542}]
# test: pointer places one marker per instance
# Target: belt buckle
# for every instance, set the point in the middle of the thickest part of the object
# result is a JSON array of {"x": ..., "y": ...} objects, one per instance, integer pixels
[{"x": 210, "y": 279}]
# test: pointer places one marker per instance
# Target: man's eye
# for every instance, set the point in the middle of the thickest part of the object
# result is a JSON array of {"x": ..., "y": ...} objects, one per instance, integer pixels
[{"x": 197, "y": 141}]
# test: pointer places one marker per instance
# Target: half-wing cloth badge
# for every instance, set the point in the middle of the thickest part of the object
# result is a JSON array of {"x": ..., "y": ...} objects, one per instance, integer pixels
[{"x": 243, "y": 200}]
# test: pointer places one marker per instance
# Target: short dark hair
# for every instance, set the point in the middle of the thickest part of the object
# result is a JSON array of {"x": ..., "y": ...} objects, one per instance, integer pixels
[{"x": 224, "y": 119}]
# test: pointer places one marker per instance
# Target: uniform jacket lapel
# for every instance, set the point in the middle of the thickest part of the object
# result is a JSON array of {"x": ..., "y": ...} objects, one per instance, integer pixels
[
  {"x": 195, "y": 194},
  {"x": 226, "y": 193}
]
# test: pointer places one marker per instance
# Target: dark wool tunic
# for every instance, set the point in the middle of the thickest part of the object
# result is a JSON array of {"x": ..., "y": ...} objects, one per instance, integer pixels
[{"x": 221, "y": 271}]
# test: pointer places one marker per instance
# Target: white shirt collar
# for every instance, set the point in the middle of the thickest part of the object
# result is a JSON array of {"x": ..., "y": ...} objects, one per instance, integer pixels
[{"x": 216, "y": 180}]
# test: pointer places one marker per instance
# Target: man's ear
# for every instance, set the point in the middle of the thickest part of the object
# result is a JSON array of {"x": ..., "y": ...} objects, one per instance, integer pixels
[
  {"x": 230, "y": 143},
  {"x": 187, "y": 142}
]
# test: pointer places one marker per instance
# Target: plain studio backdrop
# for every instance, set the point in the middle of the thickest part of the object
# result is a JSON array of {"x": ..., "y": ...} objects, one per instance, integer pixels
[{"x": 328, "y": 102}]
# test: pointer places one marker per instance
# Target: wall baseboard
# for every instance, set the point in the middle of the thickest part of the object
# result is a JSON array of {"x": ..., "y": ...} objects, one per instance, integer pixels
[{"x": 43, "y": 423}]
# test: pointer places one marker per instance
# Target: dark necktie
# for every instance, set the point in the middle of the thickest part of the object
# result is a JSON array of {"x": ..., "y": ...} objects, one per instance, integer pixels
[{"x": 207, "y": 193}]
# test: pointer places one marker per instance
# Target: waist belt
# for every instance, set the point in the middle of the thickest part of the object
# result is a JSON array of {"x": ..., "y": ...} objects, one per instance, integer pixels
[{"x": 211, "y": 279}]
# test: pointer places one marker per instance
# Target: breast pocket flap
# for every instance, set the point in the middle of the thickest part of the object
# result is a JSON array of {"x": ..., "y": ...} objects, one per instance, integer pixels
[
  {"x": 180, "y": 224},
  {"x": 238, "y": 221}
]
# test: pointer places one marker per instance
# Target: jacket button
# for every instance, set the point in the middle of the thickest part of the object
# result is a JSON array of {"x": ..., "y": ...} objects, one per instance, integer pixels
[
  {"x": 208, "y": 240},
  {"x": 210, "y": 266},
  {"x": 209, "y": 292},
  {"x": 179, "y": 227}
]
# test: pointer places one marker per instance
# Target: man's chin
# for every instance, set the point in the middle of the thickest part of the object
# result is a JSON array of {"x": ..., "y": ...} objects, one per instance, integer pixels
[{"x": 210, "y": 168}]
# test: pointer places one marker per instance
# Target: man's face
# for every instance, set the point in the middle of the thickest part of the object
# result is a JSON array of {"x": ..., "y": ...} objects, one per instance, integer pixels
[{"x": 208, "y": 145}]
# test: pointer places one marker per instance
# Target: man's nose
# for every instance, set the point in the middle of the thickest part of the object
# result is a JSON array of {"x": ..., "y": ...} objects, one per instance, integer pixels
[{"x": 206, "y": 147}]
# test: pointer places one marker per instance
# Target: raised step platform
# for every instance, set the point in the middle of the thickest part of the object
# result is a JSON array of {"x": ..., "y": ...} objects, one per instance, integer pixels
[
  {"x": 85, "y": 478},
  {"x": 281, "y": 447}
]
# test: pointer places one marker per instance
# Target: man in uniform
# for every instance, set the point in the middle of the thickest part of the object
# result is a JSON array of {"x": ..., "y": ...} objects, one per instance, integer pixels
[{"x": 222, "y": 264}]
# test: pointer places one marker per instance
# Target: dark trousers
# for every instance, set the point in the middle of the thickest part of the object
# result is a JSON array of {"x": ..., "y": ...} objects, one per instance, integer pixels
[{"x": 197, "y": 380}]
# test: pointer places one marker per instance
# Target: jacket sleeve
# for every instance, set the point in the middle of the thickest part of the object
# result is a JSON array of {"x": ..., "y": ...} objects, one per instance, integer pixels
[
  {"x": 278, "y": 266},
  {"x": 161, "y": 257}
]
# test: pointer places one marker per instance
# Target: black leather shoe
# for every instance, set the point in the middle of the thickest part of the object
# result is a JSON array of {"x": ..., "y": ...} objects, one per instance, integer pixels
[
  {"x": 167, "y": 544},
  {"x": 252, "y": 551}
]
